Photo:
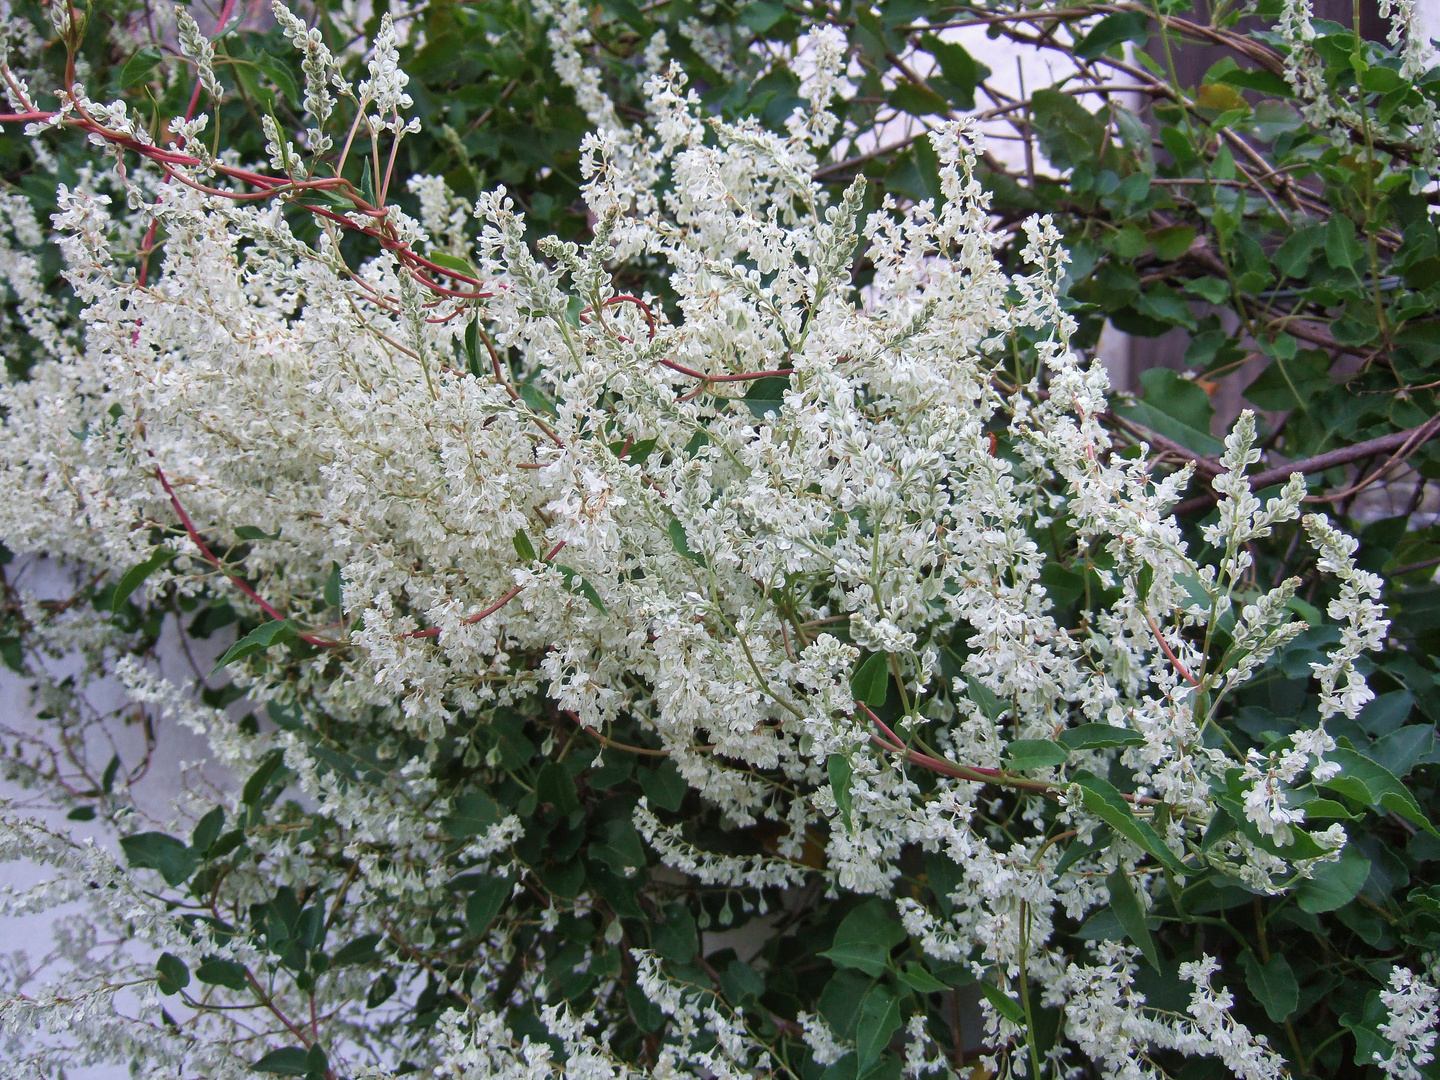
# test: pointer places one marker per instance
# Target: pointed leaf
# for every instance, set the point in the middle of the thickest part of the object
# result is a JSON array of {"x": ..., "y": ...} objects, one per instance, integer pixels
[
  {"x": 1127, "y": 908},
  {"x": 1104, "y": 801}
]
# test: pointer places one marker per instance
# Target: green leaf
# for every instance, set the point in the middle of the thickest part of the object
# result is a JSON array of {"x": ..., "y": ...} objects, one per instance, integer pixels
[
  {"x": 1171, "y": 242},
  {"x": 137, "y": 69},
  {"x": 334, "y": 586},
  {"x": 1111, "y": 31},
  {"x": 215, "y": 971},
  {"x": 871, "y": 679},
  {"x": 450, "y": 262},
  {"x": 1099, "y": 736},
  {"x": 1068, "y": 134},
  {"x": 1371, "y": 783},
  {"x": 207, "y": 830},
  {"x": 767, "y": 395},
  {"x": 917, "y": 100},
  {"x": 921, "y": 981},
  {"x": 1213, "y": 289},
  {"x": 574, "y": 581},
  {"x": 156, "y": 851},
  {"x": 1023, "y": 754},
  {"x": 291, "y": 1061},
  {"x": 1127, "y": 908},
  {"x": 1273, "y": 985},
  {"x": 1003, "y": 1003},
  {"x": 254, "y": 532},
  {"x": 1265, "y": 82},
  {"x": 281, "y": 76},
  {"x": 1104, "y": 801},
  {"x": 838, "y": 766},
  {"x": 472, "y": 814},
  {"x": 260, "y": 779},
  {"x": 990, "y": 705},
  {"x": 879, "y": 1017},
  {"x": 1332, "y": 885},
  {"x": 864, "y": 939},
  {"x": 1296, "y": 383},
  {"x": 959, "y": 69},
  {"x": 523, "y": 547},
  {"x": 485, "y": 903},
  {"x": 555, "y": 786},
  {"x": 171, "y": 974},
  {"x": 679, "y": 542},
  {"x": 359, "y": 951},
  {"x": 136, "y": 575},
  {"x": 1340, "y": 242},
  {"x": 1176, "y": 408},
  {"x": 263, "y": 637},
  {"x": 472, "y": 348},
  {"x": 663, "y": 785},
  {"x": 762, "y": 15},
  {"x": 676, "y": 938}
]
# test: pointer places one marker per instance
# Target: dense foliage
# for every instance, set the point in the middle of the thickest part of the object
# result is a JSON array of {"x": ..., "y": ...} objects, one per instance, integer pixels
[{"x": 703, "y": 612}]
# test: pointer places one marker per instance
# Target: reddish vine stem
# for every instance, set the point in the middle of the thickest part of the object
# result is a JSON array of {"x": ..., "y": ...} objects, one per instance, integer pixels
[
  {"x": 213, "y": 559},
  {"x": 469, "y": 620},
  {"x": 1169, "y": 653}
]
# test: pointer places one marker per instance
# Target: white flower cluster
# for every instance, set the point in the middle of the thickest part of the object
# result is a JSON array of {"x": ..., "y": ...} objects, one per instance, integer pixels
[{"x": 675, "y": 515}]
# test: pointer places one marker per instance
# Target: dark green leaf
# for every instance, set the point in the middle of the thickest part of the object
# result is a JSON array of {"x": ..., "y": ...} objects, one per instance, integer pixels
[
  {"x": 679, "y": 542},
  {"x": 864, "y": 939},
  {"x": 472, "y": 814},
  {"x": 1175, "y": 408},
  {"x": 359, "y": 951},
  {"x": 1368, "y": 782},
  {"x": 1266, "y": 82},
  {"x": 840, "y": 772},
  {"x": 254, "y": 532},
  {"x": 1127, "y": 909},
  {"x": 767, "y": 395},
  {"x": 137, "y": 69},
  {"x": 1023, "y": 754},
  {"x": 133, "y": 578},
  {"x": 523, "y": 547},
  {"x": 485, "y": 903},
  {"x": 156, "y": 851},
  {"x": 171, "y": 974},
  {"x": 961, "y": 73},
  {"x": 1003, "y": 1003},
  {"x": 264, "y": 636},
  {"x": 207, "y": 830},
  {"x": 1333, "y": 884},
  {"x": 1068, "y": 134},
  {"x": 216, "y": 971},
  {"x": 879, "y": 1018},
  {"x": 334, "y": 586},
  {"x": 1099, "y": 736},
  {"x": 1105, "y": 802},
  {"x": 871, "y": 680},
  {"x": 291, "y": 1061},
  {"x": 921, "y": 981},
  {"x": 1273, "y": 984},
  {"x": 663, "y": 785},
  {"x": 1111, "y": 31},
  {"x": 574, "y": 581},
  {"x": 676, "y": 938},
  {"x": 1171, "y": 242},
  {"x": 917, "y": 100},
  {"x": 260, "y": 779}
]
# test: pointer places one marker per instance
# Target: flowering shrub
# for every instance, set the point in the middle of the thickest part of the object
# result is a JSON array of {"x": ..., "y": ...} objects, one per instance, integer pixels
[{"x": 760, "y": 554}]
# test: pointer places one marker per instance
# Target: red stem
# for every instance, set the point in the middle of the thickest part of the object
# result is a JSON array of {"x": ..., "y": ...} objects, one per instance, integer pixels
[{"x": 211, "y": 558}]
